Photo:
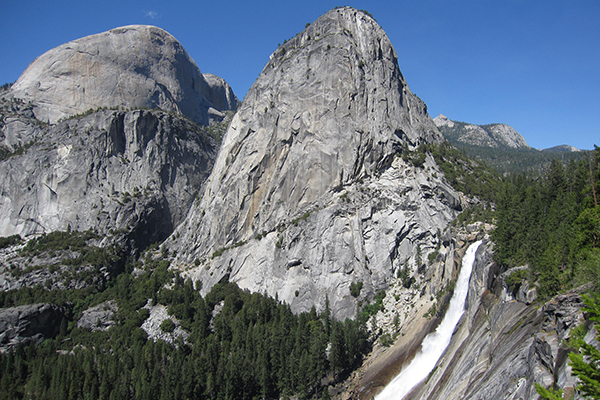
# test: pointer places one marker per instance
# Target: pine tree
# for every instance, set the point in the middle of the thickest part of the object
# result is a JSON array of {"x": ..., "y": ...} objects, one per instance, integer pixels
[
  {"x": 337, "y": 355},
  {"x": 586, "y": 365}
]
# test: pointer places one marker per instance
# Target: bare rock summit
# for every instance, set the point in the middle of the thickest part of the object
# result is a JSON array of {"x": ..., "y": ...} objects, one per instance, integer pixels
[
  {"x": 135, "y": 66},
  {"x": 124, "y": 150}
]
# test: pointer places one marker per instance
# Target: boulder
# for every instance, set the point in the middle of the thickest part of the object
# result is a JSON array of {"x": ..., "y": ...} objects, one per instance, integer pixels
[{"x": 100, "y": 317}]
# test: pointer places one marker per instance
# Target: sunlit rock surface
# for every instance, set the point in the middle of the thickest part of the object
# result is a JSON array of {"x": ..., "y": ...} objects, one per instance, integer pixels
[
  {"x": 309, "y": 192},
  {"x": 135, "y": 66}
]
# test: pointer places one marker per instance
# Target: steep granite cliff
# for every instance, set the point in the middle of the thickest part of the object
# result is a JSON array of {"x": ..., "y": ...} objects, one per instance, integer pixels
[
  {"x": 131, "y": 171},
  {"x": 308, "y": 193},
  {"x": 108, "y": 168}
]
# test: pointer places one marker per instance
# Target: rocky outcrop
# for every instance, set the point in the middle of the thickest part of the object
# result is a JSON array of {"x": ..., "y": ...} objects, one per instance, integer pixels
[
  {"x": 29, "y": 324},
  {"x": 309, "y": 192},
  {"x": 492, "y": 135},
  {"x": 221, "y": 94},
  {"x": 100, "y": 317},
  {"x": 152, "y": 325},
  {"x": 442, "y": 120},
  {"x": 134, "y": 66}
]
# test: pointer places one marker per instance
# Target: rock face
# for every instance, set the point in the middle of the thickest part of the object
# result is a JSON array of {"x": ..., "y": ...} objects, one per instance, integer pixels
[
  {"x": 100, "y": 317},
  {"x": 493, "y": 135},
  {"x": 308, "y": 193},
  {"x": 133, "y": 66},
  {"x": 442, "y": 120},
  {"x": 500, "y": 348},
  {"x": 110, "y": 170},
  {"x": 221, "y": 94},
  {"x": 134, "y": 172},
  {"x": 29, "y": 324}
]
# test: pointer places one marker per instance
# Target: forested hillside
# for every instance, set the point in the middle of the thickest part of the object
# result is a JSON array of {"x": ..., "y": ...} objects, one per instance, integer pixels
[
  {"x": 511, "y": 161},
  {"x": 502, "y": 148},
  {"x": 548, "y": 221},
  {"x": 238, "y": 345},
  {"x": 552, "y": 224}
]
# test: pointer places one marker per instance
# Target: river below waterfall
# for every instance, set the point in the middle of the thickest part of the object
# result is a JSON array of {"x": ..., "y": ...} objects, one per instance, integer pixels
[{"x": 435, "y": 343}]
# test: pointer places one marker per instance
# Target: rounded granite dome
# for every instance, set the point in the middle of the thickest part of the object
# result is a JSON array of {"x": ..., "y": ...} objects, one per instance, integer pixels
[{"x": 135, "y": 66}]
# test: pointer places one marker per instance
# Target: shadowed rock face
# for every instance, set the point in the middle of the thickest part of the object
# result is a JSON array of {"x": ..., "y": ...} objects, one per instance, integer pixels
[
  {"x": 307, "y": 184},
  {"x": 29, "y": 324},
  {"x": 221, "y": 94},
  {"x": 134, "y": 67},
  {"x": 136, "y": 172}
]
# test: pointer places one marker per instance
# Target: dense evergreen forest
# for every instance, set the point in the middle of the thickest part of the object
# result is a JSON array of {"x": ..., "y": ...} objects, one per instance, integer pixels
[
  {"x": 548, "y": 222},
  {"x": 552, "y": 224},
  {"x": 512, "y": 161},
  {"x": 249, "y": 346},
  {"x": 255, "y": 347}
]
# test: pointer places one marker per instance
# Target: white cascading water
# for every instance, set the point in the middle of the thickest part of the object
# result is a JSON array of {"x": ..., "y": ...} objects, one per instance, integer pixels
[{"x": 436, "y": 342}]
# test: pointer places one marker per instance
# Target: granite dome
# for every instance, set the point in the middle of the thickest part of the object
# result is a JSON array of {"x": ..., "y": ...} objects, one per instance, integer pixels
[{"x": 135, "y": 66}]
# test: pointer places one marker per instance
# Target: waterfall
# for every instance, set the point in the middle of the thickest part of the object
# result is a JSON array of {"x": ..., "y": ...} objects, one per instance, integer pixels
[{"x": 436, "y": 342}]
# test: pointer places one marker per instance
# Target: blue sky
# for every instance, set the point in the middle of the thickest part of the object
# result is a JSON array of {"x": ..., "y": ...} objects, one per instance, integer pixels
[{"x": 532, "y": 64}]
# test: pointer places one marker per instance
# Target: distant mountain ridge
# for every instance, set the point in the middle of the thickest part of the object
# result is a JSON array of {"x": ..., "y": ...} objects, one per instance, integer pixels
[
  {"x": 501, "y": 147},
  {"x": 491, "y": 135},
  {"x": 562, "y": 148}
]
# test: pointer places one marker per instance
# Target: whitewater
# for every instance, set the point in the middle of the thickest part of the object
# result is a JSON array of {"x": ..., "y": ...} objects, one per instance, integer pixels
[{"x": 435, "y": 343}]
